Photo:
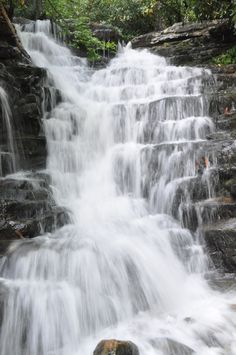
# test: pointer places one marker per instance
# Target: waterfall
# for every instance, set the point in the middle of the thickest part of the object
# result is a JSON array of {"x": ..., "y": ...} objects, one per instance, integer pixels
[
  {"x": 8, "y": 151},
  {"x": 126, "y": 144}
]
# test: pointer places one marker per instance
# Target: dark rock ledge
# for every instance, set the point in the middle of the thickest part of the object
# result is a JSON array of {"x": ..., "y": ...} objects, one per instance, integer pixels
[{"x": 189, "y": 44}]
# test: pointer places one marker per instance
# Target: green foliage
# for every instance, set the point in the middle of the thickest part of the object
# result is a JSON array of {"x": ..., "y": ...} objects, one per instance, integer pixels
[
  {"x": 229, "y": 57},
  {"x": 212, "y": 9},
  {"x": 131, "y": 17},
  {"x": 71, "y": 18}
]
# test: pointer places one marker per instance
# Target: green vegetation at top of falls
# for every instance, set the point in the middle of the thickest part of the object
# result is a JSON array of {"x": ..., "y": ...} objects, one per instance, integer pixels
[{"x": 78, "y": 19}]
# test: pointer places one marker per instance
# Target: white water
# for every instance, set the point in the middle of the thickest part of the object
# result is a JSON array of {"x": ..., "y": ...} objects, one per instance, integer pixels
[
  {"x": 7, "y": 157},
  {"x": 120, "y": 144}
]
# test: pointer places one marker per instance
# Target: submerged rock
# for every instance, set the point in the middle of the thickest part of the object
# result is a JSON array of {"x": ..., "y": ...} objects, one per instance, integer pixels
[
  {"x": 116, "y": 347},
  {"x": 172, "y": 347}
]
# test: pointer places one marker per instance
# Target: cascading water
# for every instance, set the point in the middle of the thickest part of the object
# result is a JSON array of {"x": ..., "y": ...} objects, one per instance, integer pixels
[
  {"x": 8, "y": 152},
  {"x": 121, "y": 144}
]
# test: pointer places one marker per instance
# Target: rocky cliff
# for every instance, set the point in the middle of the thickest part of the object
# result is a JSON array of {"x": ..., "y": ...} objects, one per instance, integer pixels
[{"x": 26, "y": 203}]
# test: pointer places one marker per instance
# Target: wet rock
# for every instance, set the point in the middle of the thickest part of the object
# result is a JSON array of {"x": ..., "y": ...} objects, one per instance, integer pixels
[
  {"x": 25, "y": 97},
  {"x": 23, "y": 82},
  {"x": 116, "y": 347}
]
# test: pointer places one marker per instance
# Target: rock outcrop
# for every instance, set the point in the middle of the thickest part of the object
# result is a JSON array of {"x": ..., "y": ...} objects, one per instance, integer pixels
[{"x": 189, "y": 44}]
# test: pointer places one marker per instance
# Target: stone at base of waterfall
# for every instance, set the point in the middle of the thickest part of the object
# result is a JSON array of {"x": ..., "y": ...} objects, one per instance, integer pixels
[{"x": 116, "y": 347}]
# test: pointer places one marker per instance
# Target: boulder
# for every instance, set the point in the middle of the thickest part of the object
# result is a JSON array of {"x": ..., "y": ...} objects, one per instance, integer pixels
[{"x": 116, "y": 347}]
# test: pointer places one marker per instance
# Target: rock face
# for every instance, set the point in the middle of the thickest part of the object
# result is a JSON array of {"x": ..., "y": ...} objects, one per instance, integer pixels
[
  {"x": 116, "y": 347},
  {"x": 190, "y": 44},
  {"x": 27, "y": 208}
]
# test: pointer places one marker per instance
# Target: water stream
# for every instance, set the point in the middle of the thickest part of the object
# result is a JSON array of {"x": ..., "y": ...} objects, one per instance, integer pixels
[{"x": 122, "y": 144}]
